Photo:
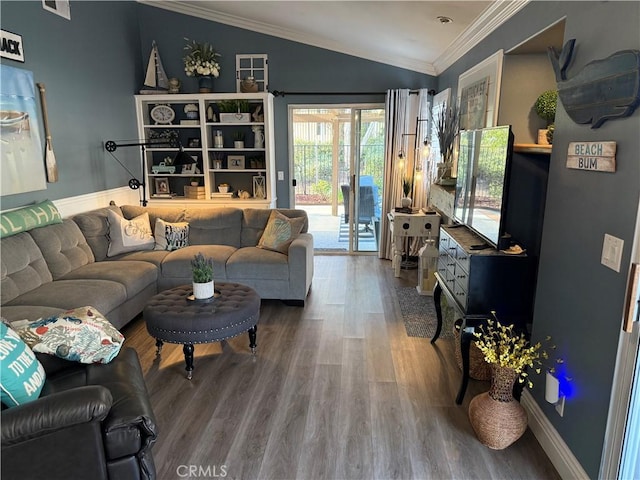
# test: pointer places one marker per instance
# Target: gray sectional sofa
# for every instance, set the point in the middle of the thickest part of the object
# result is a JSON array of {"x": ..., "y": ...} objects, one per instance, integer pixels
[{"x": 65, "y": 265}]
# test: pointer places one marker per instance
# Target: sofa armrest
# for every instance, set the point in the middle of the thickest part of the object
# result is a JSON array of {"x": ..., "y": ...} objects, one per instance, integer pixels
[
  {"x": 54, "y": 412},
  {"x": 300, "y": 266}
]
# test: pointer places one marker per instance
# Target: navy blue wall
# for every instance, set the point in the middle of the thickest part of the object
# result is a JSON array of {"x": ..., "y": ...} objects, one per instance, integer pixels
[
  {"x": 89, "y": 66},
  {"x": 579, "y": 302},
  {"x": 292, "y": 67}
]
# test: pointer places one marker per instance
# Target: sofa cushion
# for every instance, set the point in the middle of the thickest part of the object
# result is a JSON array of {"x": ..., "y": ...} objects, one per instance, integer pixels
[
  {"x": 219, "y": 226},
  {"x": 21, "y": 374},
  {"x": 22, "y": 267},
  {"x": 154, "y": 257},
  {"x": 80, "y": 335},
  {"x": 104, "y": 295},
  {"x": 129, "y": 235},
  {"x": 178, "y": 263},
  {"x": 95, "y": 228},
  {"x": 63, "y": 247},
  {"x": 254, "y": 262},
  {"x": 169, "y": 214},
  {"x": 280, "y": 232},
  {"x": 26, "y": 218},
  {"x": 134, "y": 275},
  {"x": 171, "y": 236}
]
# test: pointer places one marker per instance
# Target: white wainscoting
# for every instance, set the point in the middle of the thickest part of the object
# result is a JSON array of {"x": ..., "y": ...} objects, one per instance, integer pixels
[
  {"x": 73, "y": 205},
  {"x": 552, "y": 443}
]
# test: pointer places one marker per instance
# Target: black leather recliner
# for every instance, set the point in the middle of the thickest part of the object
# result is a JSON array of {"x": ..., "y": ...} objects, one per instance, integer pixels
[{"x": 91, "y": 421}]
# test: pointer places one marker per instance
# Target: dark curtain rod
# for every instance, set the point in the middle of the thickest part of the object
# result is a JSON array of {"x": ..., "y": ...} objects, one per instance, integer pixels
[{"x": 280, "y": 93}]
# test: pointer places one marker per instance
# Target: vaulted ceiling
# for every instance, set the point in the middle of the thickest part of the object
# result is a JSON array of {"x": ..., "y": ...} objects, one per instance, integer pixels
[{"x": 411, "y": 35}]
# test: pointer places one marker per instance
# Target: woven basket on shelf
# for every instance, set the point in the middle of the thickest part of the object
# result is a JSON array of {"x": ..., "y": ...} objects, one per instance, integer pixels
[{"x": 478, "y": 368}]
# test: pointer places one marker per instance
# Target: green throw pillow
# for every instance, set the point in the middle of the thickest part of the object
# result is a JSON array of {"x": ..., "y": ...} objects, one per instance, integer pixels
[
  {"x": 28, "y": 218},
  {"x": 21, "y": 374},
  {"x": 280, "y": 232}
]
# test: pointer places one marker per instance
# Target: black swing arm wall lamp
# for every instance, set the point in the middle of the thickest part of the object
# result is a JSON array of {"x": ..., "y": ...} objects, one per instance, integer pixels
[{"x": 181, "y": 158}]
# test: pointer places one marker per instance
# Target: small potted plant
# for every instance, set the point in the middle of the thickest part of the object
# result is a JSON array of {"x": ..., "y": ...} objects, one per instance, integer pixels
[
  {"x": 238, "y": 139},
  {"x": 223, "y": 187},
  {"x": 194, "y": 181},
  {"x": 545, "y": 107},
  {"x": 202, "y": 270},
  {"x": 407, "y": 186}
]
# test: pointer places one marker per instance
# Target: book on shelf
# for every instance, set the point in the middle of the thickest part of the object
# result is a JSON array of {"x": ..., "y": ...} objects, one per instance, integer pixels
[
  {"x": 189, "y": 122},
  {"x": 221, "y": 195},
  {"x": 163, "y": 195}
]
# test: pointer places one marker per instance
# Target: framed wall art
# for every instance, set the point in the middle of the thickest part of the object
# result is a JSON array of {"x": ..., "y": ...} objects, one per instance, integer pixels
[{"x": 479, "y": 93}]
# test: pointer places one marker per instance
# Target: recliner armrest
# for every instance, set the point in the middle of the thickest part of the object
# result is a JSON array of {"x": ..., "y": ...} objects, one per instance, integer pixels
[{"x": 55, "y": 412}]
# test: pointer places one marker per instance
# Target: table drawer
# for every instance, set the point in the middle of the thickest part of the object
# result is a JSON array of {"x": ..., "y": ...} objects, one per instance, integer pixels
[
  {"x": 462, "y": 278},
  {"x": 460, "y": 294},
  {"x": 462, "y": 258}
]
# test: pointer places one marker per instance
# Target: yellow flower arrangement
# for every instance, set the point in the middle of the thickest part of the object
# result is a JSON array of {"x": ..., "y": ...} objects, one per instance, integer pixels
[{"x": 500, "y": 345}]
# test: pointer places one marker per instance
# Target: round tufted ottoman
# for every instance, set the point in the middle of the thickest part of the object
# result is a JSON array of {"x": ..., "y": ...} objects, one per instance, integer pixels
[{"x": 171, "y": 317}]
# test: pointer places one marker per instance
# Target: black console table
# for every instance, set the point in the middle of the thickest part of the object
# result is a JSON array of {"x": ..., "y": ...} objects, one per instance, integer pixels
[{"x": 477, "y": 281}]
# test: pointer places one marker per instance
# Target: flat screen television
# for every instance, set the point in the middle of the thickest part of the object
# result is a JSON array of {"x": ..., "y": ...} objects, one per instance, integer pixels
[{"x": 484, "y": 160}]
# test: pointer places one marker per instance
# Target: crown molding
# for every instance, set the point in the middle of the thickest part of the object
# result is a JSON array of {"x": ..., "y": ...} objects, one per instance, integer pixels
[
  {"x": 494, "y": 16},
  {"x": 491, "y": 18},
  {"x": 295, "y": 36}
]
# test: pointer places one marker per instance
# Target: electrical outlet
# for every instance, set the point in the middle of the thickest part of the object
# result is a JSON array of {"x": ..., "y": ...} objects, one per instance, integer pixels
[{"x": 560, "y": 406}]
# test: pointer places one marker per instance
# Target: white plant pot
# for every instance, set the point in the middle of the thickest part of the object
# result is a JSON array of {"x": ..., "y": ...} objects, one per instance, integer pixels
[
  {"x": 542, "y": 136},
  {"x": 406, "y": 202},
  {"x": 203, "y": 290},
  {"x": 238, "y": 144}
]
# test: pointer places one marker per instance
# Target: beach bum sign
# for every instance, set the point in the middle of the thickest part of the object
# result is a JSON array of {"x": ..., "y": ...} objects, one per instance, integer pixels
[
  {"x": 596, "y": 156},
  {"x": 11, "y": 46}
]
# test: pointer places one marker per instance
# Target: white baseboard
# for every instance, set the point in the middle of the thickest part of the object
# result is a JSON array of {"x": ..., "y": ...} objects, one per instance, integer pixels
[
  {"x": 81, "y": 203},
  {"x": 552, "y": 443}
]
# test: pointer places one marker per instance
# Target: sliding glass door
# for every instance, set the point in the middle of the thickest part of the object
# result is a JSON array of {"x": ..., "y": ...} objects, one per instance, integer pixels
[{"x": 337, "y": 166}]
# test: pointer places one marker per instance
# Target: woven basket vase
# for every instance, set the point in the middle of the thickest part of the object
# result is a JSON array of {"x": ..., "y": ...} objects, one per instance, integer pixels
[
  {"x": 478, "y": 368},
  {"x": 496, "y": 417}
]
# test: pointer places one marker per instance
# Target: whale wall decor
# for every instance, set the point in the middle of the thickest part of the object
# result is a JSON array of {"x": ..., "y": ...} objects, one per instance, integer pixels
[{"x": 604, "y": 89}]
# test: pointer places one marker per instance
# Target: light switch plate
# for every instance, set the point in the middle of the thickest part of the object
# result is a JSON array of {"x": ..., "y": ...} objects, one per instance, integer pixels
[
  {"x": 612, "y": 252},
  {"x": 280, "y": 175}
]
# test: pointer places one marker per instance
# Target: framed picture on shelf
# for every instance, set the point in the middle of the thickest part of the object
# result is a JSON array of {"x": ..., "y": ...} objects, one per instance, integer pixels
[
  {"x": 162, "y": 185},
  {"x": 190, "y": 168},
  {"x": 235, "y": 162},
  {"x": 193, "y": 143}
]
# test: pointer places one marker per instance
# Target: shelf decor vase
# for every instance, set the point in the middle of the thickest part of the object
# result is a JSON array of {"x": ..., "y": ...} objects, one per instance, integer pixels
[
  {"x": 203, "y": 290},
  {"x": 205, "y": 84},
  {"x": 405, "y": 202},
  {"x": 496, "y": 417}
]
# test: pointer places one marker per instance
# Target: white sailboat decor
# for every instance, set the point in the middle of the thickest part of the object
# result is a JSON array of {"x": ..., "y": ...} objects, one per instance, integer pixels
[{"x": 156, "y": 80}]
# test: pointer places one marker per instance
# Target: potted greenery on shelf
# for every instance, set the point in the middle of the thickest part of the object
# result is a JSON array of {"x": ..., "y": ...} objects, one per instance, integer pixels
[
  {"x": 202, "y": 270},
  {"x": 234, "y": 111},
  {"x": 238, "y": 139},
  {"x": 545, "y": 107}
]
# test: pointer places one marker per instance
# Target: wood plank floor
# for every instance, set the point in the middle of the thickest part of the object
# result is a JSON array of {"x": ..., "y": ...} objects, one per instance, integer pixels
[{"x": 337, "y": 391}]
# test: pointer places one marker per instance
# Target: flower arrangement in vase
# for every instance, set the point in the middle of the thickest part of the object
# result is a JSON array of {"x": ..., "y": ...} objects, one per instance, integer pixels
[
  {"x": 496, "y": 417},
  {"x": 202, "y": 271},
  {"x": 447, "y": 126},
  {"x": 201, "y": 61}
]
